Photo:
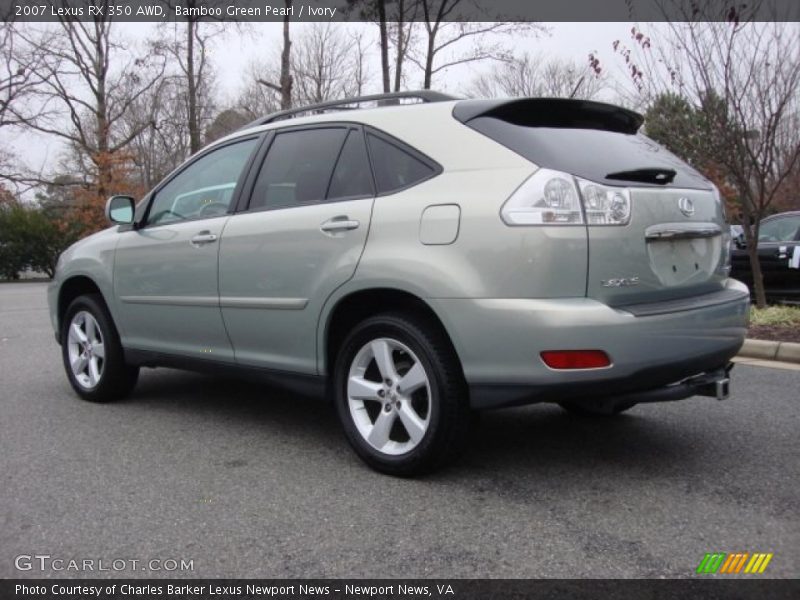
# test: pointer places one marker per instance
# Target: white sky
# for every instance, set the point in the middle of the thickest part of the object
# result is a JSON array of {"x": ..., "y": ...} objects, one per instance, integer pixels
[
  {"x": 567, "y": 40},
  {"x": 234, "y": 50}
]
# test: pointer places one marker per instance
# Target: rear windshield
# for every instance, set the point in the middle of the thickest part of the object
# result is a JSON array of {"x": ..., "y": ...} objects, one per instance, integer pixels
[{"x": 603, "y": 156}]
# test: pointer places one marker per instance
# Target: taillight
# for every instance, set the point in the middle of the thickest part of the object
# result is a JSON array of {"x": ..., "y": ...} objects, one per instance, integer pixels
[
  {"x": 576, "y": 359},
  {"x": 724, "y": 267},
  {"x": 605, "y": 205},
  {"x": 551, "y": 197},
  {"x": 546, "y": 198}
]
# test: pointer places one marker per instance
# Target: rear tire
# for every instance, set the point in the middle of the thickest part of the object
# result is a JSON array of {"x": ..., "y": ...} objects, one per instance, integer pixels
[
  {"x": 92, "y": 353},
  {"x": 400, "y": 395}
]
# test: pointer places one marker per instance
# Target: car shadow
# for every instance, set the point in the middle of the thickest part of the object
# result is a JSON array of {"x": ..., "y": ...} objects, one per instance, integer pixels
[
  {"x": 537, "y": 439},
  {"x": 246, "y": 399}
]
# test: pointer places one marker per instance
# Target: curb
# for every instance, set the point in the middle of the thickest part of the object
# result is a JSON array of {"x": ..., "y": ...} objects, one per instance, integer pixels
[{"x": 768, "y": 350}]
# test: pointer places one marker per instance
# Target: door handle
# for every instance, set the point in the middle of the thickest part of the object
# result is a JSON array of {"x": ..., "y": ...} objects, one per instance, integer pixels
[
  {"x": 337, "y": 224},
  {"x": 204, "y": 237}
]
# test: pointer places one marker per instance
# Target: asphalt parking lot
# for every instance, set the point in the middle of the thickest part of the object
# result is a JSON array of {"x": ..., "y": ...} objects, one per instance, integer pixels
[{"x": 250, "y": 481}]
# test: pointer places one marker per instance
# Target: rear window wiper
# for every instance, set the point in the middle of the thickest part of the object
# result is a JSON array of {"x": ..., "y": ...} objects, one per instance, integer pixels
[{"x": 655, "y": 175}]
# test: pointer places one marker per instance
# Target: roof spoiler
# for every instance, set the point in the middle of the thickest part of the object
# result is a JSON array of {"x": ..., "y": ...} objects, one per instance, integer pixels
[{"x": 552, "y": 112}]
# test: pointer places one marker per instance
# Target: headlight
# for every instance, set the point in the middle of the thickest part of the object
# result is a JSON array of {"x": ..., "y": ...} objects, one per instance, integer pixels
[{"x": 553, "y": 198}]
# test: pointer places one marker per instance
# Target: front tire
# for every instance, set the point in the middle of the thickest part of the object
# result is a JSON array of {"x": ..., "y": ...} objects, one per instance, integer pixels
[
  {"x": 400, "y": 395},
  {"x": 92, "y": 353}
]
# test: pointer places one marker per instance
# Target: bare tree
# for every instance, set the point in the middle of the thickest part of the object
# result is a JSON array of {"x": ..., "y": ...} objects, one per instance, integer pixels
[
  {"x": 375, "y": 10},
  {"x": 744, "y": 77},
  {"x": 84, "y": 89},
  {"x": 162, "y": 146},
  {"x": 17, "y": 82},
  {"x": 285, "y": 80},
  {"x": 255, "y": 99},
  {"x": 188, "y": 45},
  {"x": 16, "y": 74},
  {"x": 443, "y": 35},
  {"x": 396, "y": 20},
  {"x": 327, "y": 64},
  {"x": 401, "y": 35},
  {"x": 194, "y": 68},
  {"x": 360, "y": 68},
  {"x": 538, "y": 76}
]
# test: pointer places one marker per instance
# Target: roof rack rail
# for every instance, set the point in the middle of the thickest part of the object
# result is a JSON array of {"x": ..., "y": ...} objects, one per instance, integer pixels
[{"x": 392, "y": 98}]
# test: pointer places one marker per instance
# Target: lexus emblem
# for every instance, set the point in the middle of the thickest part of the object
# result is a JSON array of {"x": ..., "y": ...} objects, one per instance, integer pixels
[{"x": 686, "y": 205}]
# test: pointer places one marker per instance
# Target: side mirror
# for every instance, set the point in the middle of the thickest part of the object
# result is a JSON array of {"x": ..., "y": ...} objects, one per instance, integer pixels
[
  {"x": 740, "y": 241},
  {"x": 120, "y": 209}
]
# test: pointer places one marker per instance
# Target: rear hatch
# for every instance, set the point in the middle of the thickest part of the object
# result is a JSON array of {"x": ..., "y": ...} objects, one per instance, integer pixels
[{"x": 672, "y": 245}]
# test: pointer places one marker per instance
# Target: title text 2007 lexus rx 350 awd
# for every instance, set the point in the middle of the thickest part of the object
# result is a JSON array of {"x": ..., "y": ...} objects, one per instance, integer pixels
[{"x": 418, "y": 261}]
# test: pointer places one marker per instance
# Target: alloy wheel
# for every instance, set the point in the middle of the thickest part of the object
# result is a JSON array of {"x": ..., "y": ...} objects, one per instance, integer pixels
[
  {"x": 389, "y": 396},
  {"x": 86, "y": 350}
]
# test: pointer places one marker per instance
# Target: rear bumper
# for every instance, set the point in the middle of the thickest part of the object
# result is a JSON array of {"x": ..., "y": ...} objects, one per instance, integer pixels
[
  {"x": 499, "y": 342},
  {"x": 657, "y": 384}
]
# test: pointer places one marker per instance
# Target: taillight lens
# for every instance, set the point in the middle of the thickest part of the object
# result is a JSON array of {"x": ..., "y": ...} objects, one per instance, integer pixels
[
  {"x": 724, "y": 267},
  {"x": 605, "y": 205},
  {"x": 551, "y": 197},
  {"x": 546, "y": 198}
]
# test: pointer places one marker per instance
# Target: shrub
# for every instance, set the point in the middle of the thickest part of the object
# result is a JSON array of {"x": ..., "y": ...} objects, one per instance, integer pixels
[{"x": 31, "y": 238}]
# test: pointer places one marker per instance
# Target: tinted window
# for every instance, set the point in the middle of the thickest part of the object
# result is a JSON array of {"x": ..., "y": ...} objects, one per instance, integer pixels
[
  {"x": 352, "y": 177},
  {"x": 784, "y": 229},
  {"x": 298, "y": 168},
  {"x": 204, "y": 188},
  {"x": 394, "y": 167},
  {"x": 590, "y": 153}
]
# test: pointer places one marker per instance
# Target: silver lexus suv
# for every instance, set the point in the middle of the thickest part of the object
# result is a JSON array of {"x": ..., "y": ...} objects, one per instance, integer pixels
[{"x": 416, "y": 262}]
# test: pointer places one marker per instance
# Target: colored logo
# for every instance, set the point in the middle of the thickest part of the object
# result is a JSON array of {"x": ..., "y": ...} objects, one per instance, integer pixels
[{"x": 733, "y": 563}]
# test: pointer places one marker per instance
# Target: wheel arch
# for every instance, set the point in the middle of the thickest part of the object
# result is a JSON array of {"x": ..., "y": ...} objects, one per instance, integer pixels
[
  {"x": 71, "y": 288},
  {"x": 353, "y": 307}
]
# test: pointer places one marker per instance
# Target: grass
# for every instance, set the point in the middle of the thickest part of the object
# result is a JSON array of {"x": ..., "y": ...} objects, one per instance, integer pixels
[{"x": 775, "y": 316}]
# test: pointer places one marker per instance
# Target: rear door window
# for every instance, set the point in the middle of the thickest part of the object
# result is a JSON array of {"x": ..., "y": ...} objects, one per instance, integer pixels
[
  {"x": 298, "y": 168},
  {"x": 396, "y": 168}
]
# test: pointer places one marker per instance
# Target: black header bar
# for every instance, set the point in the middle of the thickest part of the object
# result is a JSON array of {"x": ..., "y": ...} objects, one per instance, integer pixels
[
  {"x": 459, "y": 10},
  {"x": 409, "y": 589}
]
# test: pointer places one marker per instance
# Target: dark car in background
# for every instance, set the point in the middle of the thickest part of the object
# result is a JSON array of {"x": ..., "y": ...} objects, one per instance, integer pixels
[{"x": 778, "y": 253}]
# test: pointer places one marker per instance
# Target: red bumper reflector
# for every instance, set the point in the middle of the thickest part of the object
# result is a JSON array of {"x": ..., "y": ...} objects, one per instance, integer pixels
[{"x": 576, "y": 359}]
